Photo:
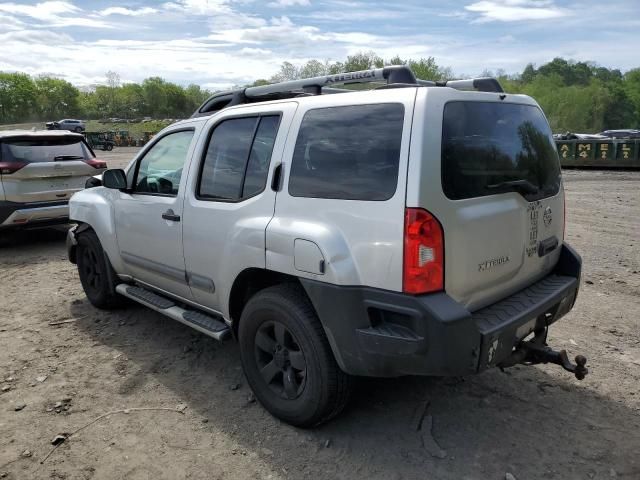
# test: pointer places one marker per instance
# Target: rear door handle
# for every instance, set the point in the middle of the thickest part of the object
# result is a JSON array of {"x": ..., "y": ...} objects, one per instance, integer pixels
[
  {"x": 169, "y": 215},
  {"x": 276, "y": 181}
]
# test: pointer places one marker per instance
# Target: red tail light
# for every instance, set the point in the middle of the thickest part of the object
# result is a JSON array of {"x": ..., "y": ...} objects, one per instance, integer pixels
[
  {"x": 95, "y": 163},
  {"x": 423, "y": 270},
  {"x": 7, "y": 168}
]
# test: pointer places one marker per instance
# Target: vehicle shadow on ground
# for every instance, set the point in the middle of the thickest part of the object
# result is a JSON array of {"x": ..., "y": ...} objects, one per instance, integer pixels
[
  {"x": 33, "y": 238},
  {"x": 535, "y": 422}
]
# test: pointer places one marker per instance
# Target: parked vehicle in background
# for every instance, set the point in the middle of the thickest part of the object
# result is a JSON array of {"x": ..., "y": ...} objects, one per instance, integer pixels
[
  {"x": 100, "y": 140},
  {"x": 416, "y": 229},
  {"x": 626, "y": 133},
  {"x": 579, "y": 136},
  {"x": 39, "y": 172},
  {"x": 72, "y": 125}
]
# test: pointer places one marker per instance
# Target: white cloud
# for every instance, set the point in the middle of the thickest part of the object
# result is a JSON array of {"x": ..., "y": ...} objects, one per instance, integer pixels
[
  {"x": 131, "y": 12},
  {"x": 198, "y": 7},
  {"x": 288, "y": 3},
  {"x": 515, "y": 10},
  {"x": 219, "y": 43},
  {"x": 256, "y": 52},
  {"x": 53, "y": 14},
  {"x": 9, "y": 22},
  {"x": 34, "y": 37}
]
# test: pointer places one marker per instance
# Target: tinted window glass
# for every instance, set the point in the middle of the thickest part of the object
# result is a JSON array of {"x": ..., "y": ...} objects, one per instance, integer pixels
[
  {"x": 348, "y": 152},
  {"x": 160, "y": 169},
  {"x": 260, "y": 157},
  {"x": 490, "y": 148},
  {"x": 44, "y": 149},
  {"x": 237, "y": 159},
  {"x": 226, "y": 158}
]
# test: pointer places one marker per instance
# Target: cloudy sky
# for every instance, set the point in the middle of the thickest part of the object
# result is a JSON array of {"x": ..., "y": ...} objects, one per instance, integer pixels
[{"x": 218, "y": 43}]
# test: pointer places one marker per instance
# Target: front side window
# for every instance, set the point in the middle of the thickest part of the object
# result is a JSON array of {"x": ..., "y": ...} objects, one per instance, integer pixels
[
  {"x": 349, "y": 153},
  {"x": 490, "y": 148},
  {"x": 160, "y": 170},
  {"x": 237, "y": 158}
]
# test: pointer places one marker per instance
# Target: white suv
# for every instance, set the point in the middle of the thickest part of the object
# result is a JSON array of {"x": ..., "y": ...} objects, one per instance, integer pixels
[
  {"x": 416, "y": 229},
  {"x": 39, "y": 172}
]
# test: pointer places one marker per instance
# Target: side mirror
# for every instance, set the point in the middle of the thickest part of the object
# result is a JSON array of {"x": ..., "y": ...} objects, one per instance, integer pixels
[{"x": 114, "y": 178}]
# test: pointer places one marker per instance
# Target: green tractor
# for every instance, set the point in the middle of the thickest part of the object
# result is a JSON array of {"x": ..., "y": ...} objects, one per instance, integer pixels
[{"x": 100, "y": 140}]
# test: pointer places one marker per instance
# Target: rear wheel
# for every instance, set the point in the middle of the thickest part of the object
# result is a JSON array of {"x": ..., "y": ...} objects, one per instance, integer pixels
[
  {"x": 78, "y": 129},
  {"x": 287, "y": 358},
  {"x": 97, "y": 276}
]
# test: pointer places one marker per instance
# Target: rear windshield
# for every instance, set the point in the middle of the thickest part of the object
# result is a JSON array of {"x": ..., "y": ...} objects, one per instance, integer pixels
[
  {"x": 44, "y": 149},
  {"x": 490, "y": 148}
]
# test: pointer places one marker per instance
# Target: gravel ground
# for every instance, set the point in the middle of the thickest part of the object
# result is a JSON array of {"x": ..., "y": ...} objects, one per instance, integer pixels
[{"x": 530, "y": 422}]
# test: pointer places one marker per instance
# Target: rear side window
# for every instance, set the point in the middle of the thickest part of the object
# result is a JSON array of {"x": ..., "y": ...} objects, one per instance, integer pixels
[
  {"x": 237, "y": 158},
  {"x": 349, "y": 153},
  {"x": 44, "y": 149},
  {"x": 490, "y": 148}
]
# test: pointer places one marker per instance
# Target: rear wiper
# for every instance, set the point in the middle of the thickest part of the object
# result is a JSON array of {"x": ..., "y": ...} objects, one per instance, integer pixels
[
  {"x": 67, "y": 157},
  {"x": 520, "y": 186}
]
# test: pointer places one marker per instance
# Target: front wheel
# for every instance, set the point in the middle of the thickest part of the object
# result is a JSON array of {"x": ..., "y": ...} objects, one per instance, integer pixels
[
  {"x": 96, "y": 273},
  {"x": 287, "y": 359}
]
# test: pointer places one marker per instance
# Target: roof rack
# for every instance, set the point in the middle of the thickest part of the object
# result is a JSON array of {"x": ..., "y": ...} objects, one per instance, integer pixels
[{"x": 394, "y": 76}]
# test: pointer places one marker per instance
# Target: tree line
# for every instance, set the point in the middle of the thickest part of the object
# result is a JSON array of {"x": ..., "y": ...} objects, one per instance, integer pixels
[
  {"x": 42, "y": 98},
  {"x": 576, "y": 96}
]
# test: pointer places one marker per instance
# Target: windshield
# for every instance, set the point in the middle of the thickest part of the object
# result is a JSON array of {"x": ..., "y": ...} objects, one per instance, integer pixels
[
  {"x": 44, "y": 149},
  {"x": 490, "y": 148}
]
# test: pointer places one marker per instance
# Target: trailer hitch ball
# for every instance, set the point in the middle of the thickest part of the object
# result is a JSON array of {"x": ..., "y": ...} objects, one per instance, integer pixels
[
  {"x": 581, "y": 369},
  {"x": 535, "y": 351}
]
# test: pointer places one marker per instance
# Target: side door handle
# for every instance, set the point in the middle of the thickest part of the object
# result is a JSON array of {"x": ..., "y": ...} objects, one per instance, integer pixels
[
  {"x": 169, "y": 215},
  {"x": 276, "y": 181}
]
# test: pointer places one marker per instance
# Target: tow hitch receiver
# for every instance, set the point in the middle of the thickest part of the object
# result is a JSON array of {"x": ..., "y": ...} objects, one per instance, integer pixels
[{"x": 537, "y": 351}]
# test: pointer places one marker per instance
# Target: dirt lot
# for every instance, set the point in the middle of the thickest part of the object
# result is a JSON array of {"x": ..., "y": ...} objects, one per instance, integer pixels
[{"x": 531, "y": 422}]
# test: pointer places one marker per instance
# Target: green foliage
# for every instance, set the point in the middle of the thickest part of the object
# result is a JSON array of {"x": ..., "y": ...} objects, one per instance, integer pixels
[
  {"x": 427, "y": 69},
  {"x": 17, "y": 95},
  {"x": 581, "y": 96},
  {"x": 576, "y": 96},
  {"x": 55, "y": 97}
]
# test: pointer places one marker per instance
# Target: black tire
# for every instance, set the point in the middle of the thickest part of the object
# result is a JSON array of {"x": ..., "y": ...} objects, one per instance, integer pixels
[
  {"x": 97, "y": 276},
  {"x": 109, "y": 147},
  {"x": 79, "y": 129},
  {"x": 303, "y": 392}
]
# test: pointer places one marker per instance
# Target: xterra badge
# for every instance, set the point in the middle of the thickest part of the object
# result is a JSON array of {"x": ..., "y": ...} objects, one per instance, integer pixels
[
  {"x": 547, "y": 216},
  {"x": 484, "y": 266}
]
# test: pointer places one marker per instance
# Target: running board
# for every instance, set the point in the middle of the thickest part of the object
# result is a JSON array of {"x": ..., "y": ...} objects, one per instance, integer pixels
[{"x": 214, "y": 327}]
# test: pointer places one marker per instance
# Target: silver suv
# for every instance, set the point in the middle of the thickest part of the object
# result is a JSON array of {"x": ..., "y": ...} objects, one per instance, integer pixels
[
  {"x": 39, "y": 172},
  {"x": 70, "y": 124},
  {"x": 414, "y": 229}
]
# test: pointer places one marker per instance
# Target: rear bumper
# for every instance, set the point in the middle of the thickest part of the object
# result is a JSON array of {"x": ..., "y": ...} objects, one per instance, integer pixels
[
  {"x": 385, "y": 334},
  {"x": 14, "y": 214}
]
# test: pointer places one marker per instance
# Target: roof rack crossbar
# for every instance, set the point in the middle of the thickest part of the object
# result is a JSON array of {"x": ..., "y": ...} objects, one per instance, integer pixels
[
  {"x": 484, "y": 84},
  {"x": 391, "y": 74}
]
